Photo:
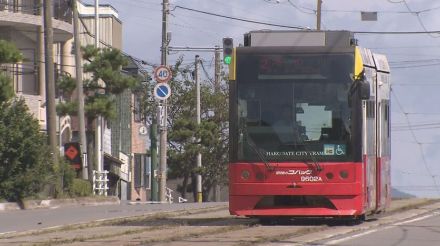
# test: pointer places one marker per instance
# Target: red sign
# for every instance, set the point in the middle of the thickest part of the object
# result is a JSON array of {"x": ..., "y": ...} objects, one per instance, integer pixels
[
  {"x": 73, "y": 154},
  {"x": 162, "y": 74}
]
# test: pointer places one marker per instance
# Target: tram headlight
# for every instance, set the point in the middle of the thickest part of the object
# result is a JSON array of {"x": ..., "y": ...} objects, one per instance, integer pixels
[
  {"x": 259, "y": 176},
  {"x": 343, "y": 174},
  {"x": 329, "y": 175},
  {"x": 245, "y": 174}
]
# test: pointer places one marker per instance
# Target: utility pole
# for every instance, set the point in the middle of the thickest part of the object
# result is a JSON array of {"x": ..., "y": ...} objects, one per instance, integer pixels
[
  {"x": 163, "y": 123},
  {"x": 199, "y": 155},
  {"x": 217, "y": 79},
  {"x": 153, "y": 154},
  {"x": 50, "y": 81},
  {"x": 79, "y": 87},
  {"x": 98, "y": 134},
  {"x": 217, "y": 69},
  {"x": 318, "y": 15}
]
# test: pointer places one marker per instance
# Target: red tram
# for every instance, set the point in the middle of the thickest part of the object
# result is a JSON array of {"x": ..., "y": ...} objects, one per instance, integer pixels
[{"x": 309, "y": 126}]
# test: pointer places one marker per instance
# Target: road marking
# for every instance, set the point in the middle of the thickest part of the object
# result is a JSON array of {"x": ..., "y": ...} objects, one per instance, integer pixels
[
  {"x": 337, "y": 241},
  {"x": 4, "y": 233},
  {"x": 416, "y": 219}
]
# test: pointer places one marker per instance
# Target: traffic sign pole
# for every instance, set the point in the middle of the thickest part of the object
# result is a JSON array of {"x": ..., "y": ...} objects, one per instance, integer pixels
[{"x": 163, "y": 130}]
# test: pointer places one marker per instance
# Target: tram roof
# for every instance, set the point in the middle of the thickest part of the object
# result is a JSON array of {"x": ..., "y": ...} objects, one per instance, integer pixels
[{"x": 303, "y": 38}]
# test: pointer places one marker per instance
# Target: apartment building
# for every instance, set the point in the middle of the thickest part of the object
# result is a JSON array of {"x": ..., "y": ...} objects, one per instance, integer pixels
[{"x": 21, "y": 22}]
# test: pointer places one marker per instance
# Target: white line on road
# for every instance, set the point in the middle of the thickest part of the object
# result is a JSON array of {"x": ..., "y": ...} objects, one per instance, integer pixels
[
  {"x": 337, "y": 241},
  {"x": 4, "y": 233},
  {"x": 416, "y": 219}
]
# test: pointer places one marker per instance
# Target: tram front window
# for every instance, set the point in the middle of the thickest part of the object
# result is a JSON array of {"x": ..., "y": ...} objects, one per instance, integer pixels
[{"x": 288, "y": 121}]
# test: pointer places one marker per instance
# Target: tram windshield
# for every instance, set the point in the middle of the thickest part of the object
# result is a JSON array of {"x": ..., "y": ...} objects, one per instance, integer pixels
[{"x": 293, "y": 108}]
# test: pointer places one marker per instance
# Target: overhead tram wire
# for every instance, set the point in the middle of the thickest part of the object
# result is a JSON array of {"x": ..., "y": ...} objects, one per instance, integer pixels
[
  {"x": 141, "y": 61},
  {"x": 299, "y": 8},
  {"x": 417, "y": 14},
  {"x": 425, "y": 163},
  {"x": 303, "y": 28},
  {"x": 238, "y": 19}
]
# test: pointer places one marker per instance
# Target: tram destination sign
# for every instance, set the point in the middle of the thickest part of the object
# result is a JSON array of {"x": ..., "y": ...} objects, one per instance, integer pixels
[{"x": 290, "y": 64}]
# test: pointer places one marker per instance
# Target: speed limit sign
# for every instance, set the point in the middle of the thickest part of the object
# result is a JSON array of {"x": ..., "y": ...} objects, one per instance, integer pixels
[{"x": 162, "y": 74}]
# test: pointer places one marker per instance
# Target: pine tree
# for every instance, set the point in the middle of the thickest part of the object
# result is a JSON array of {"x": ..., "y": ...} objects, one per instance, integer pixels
[{"x": 106, "y": 80}]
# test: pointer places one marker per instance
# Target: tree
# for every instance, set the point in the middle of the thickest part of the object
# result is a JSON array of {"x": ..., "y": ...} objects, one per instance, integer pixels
[
  {"x": 186, "y": 138},
  {"x": 106, "y": 80},
  {"x": 8, "y": 54},
  {"x": 25, "y": 163}
]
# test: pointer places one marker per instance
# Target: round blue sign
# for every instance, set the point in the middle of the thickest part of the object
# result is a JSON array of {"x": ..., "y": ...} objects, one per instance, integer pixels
[{"x": 162, "y": 91}]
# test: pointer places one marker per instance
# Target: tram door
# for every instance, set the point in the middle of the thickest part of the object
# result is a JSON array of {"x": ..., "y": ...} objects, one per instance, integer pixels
[
  {"x": 370, "y": 147},
  {"x": 383, "y": 146},
  {"x": 370, "y": 143}
]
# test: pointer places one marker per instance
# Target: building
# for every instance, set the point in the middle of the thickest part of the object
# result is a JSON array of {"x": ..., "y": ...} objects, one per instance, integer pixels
[{"x": 21, "y": 22}]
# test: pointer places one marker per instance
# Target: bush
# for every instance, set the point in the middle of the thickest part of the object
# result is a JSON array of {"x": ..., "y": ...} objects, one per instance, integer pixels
[
  {"x": 25, "y": 159},
  {"x": 80, "y": 187}
]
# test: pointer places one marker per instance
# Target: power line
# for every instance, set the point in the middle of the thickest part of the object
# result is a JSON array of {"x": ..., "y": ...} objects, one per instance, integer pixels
[
  {"x": 417, "y": 14},
  {"x": 313, "y": 12},
  {"x": 416, "y": 140},
  {"x": 304, "y": 28},
  {"x": 143, "y": 62},
  {"x": 238, "y": 19},
  {"x": 397, "y": 33}
]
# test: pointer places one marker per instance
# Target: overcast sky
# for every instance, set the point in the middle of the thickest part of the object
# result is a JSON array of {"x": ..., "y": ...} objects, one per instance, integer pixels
[{"x": 414, "y": 59}]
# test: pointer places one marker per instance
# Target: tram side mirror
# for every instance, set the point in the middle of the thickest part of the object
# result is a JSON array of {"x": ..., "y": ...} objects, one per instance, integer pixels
[{"x": 364, "y": 88}]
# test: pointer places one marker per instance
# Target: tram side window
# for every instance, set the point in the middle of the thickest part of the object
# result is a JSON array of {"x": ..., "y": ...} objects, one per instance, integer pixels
[
  {"x": 370, "y": 109},
  {"x": 387, "y": 118}
]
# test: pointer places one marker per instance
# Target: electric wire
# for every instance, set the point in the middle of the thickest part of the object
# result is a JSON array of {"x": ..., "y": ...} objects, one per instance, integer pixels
[
  {"x": 238, "y": 19},
  {"x": 417, "y": 14},
  {"x": 417, "y": 142},
  {"x": 206, "y": 73}
]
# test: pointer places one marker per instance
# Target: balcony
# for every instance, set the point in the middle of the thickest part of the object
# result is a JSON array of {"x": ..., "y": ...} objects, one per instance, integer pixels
[{"x": 26, "y": 15}]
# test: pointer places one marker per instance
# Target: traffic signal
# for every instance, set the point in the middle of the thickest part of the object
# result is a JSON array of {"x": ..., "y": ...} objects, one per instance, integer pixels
[{"x": 228, "y": 49}]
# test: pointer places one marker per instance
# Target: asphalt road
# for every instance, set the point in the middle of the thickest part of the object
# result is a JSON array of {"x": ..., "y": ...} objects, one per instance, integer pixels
[
  {"x": 25, "y": 220},
  {"x": 423, "y": 230}
]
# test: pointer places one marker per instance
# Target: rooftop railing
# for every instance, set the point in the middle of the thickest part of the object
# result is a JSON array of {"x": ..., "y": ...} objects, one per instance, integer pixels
[{"x": 61, "y": 9}]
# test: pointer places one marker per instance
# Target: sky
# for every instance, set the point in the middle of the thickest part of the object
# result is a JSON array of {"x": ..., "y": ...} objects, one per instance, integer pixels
[{"x": 414, "y": 58}]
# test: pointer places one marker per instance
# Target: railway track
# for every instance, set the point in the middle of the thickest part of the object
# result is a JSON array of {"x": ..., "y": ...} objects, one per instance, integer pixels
[{"x": 209, "y": 226}]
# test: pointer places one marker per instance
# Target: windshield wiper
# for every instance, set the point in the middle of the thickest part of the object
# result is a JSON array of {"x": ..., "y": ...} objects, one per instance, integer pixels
[
  {"x": 259, "y": 154},
  {"x": 315, "y": 164}
]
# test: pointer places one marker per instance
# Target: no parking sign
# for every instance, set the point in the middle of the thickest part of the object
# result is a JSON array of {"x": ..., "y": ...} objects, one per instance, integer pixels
[{"x": 162, "y": 91}]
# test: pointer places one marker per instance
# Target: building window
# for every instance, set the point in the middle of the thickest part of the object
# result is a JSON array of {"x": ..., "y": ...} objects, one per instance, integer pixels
[
  {"x": 142, "y": 171},
  {"x": 137, "y": 108}
]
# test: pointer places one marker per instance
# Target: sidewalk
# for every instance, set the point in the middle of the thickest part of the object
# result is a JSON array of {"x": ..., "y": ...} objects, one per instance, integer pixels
[{"x": 55, "y": 203}]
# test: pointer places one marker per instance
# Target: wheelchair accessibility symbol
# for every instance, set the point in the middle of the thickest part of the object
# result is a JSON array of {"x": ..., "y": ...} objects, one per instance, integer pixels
[
  {"x": 334, "y": 149},
  {"x": 340, "y": 149}
]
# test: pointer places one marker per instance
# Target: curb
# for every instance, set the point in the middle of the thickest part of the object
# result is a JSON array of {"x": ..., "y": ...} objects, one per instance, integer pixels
[{"x": 55, "y": 203}]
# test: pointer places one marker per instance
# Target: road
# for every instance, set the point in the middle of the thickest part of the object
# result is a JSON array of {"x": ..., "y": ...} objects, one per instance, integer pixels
[
  {"x": 421, "y": 231},
  {"x": 207, "y": 224},
  {"x": 37, "y": 219}
]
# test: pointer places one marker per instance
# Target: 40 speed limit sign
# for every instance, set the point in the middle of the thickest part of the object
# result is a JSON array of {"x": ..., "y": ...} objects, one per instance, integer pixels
[{"x": 162, "y": 74}]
